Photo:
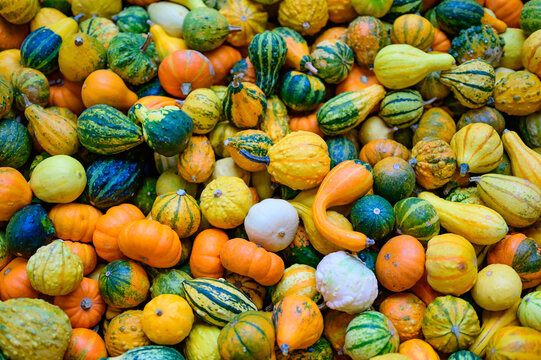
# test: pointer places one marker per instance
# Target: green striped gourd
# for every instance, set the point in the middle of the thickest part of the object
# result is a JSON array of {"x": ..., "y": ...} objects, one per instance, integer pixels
[
  {"x": 112, "y": 182},
  {"x": 341, "y": 149},
  {"x": 373, "y": 216},
  {"x": 516, "y": 199},
  {"x": 166, "y": 130},
  {"x": 530, "y": 16},
  {"x": 464, "y": 355},
  {"x": 401, "y": 108},
  {"x": 179, "y": 211},
  {"x": 267, "y": 53},
  {"x": 205, "y": 109},
  {"x": 205, "y": 29},
  {"x": 103, "y": 29},
  {"x": 529, "y": 128},
  {"x": 275, "y": 123},
  {"x": 347, "y": 110},
  {"x": 472, "y": 82},
  {"x": 529, "y": 310},
  {"x": 123, "y": 283},
  {"x": 417, "y": 218},
  {"x": 245, "y": 104},
  {"x": 370, "y": 334},
  {"x": 15, "y": 144},
  {"x": 300, "y": 91},
  {"x": 133, "y": 57},
  {"x": 333, "y": 61},
  {"x": 455, "y": 15},
  {"x": 252, "y": 142},
  {"x": 169, "y": 282},
  {"x": 146, "y": 195},
  {"x": 151, "y": 352},
  {"x": 132, "y": 19},
  {"x": 6, "y": 96},
  {"x": 478, "y": 42},
  {"x": 401, "y": 7},
  {"x": 297, "y": 49},
  {"x": 102, "y": 129},
  {"x": 216, "y": 301}
]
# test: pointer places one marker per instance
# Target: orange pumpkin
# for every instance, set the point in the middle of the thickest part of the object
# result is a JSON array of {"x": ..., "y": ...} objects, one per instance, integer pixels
[
  {"x": 150, "y": 242},
  {"x": 376, "y": 150},
  {"x": 15, "y": 193},
  {"x": 506, "y": 10},
  {"x": 417, "y": 349},
  {"x": 205, "y": 257},
  {"x": 184, "y": 71},
  {"x": 125, "y": 332},
  {"x": 74, "y": 222},
  {"x": 306, "y": 123},
  {"x": 14, "y": 282},
  {"x": 85, "y": 344},
  {"x": 86, "y": 253},
  {"x": 359, "y": 78},
  {"x": 197, "y": 161},
  {"x": 84, "y": 306},
  {"x": 11, "y": 35},
  {"x": 222, "y": 60},
  {"x": 65, "y": 93},
  {"x": 441, "y": 42},
  {"x": 406, "y": 312},
  {"x": 108, "y": 227},
  {"x": 155, "y": 102},
  {"x": 246, "y": 258},
  {"x": 335, "y": 326},
  {"x": 400, "y": 263},
  {"x": 424, "y": 291}
]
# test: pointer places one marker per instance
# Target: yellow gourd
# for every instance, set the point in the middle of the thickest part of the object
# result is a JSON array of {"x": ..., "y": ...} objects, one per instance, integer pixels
[
  {"x": 101, "y": 8},
  {"x": 525, "y": 162},
  {"x": 497, "y": 288},
  {"x": 165, "y": 44},
  {"x": 304, "y": 16},
  {"x": 46, "y": 16}
]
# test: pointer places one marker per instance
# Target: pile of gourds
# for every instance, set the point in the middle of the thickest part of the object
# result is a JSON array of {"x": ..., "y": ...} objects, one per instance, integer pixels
[{"x": 270, "y": 179}]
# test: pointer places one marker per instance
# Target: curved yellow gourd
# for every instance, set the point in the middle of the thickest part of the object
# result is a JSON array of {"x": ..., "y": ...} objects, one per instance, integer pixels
[
  {"x": 525, "y": 162},
  {"x": 165, "y": 44},
  {"x": 477, "y": 223}
]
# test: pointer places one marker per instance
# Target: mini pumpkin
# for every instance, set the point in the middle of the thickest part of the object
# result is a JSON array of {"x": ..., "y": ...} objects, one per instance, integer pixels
[
  {"x": 84, "y": 306},
  {"x": 406, "y": 312},
  {"x": 167, "y": 319}
]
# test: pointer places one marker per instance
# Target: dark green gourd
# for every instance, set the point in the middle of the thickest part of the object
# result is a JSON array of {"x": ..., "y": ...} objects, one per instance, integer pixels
[{"x": 267, "y": 52}]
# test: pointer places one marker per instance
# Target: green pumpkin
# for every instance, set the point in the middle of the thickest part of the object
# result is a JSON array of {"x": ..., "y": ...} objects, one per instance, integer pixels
[
  {"x": 320, "y": 350},
  {"x": 394, "y": 179},
  {"x": 370, "y": 334},
  {"x": 111, "y": 182},
  {"x": 6, "y": 96},
  {"x": 401, "y": 108},
  {"x": 373, "y": 216},
  {"x": 102, "y": 129},
  {"x": 530, "y": 17},
  {"x": 133, "y": 57},
  {"x": 417, "y": 218},
  {"x": 123, "y": 284},
  {"x": 300, "y": 251},
  {"x": 529, "y": 128},
  {"x": 28, "y": 229},
  {"x": 169, "y": 282},
  {"x": 369, "y": 257},
  {"x": 132, "y": 19},
  {"x": 146, "y": 195},
  {"x": 485, "y": 114},
  {"x": 455, "y": 15},
  {"x": 15, "y": 145},
  {"x": 103, "y": 29},
  {"x": 267, "y": 53},
  {"x": 478, "y": 42},
  {"x": 205, "y": 29},
  {"x": 150, "y": 88},
  {"x": 341, "y": 149},
  {"x": 301, "y": 92},
  {"x": 333, "y": 61},
  {"x": 402, "y": 7},
  {"x": 40, "y": 50},
  {"x": 31, "y": 83},
  {"x": 464, "y": 355}
]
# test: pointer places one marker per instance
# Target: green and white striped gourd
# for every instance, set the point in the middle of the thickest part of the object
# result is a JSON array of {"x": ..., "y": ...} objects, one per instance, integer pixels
[
  {"x": 267, "y": 53},
  {"x": 333, "y": 61},
  {"x": 300, "y": 91}
]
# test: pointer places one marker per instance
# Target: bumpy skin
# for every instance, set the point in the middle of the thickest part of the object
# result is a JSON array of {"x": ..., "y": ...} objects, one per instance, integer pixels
[
  {"x": 478, "y": 42},
  {"x": 33, "y": 329}
]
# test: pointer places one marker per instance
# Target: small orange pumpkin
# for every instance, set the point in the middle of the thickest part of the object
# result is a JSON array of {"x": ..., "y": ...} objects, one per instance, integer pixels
[
  {"x": 441, "y": 42},
  {"x": 15, "y": 193},
  {"x": 85, "y": 344},
  {"x": 223, "y": 59},
  {"x": 86, "y": 253},
  {"x": 65, "y": 93},
  {"x": 84, "y": 306},
  {"x": 106, "y": 87},
  {"x": 306, "y": 123},
  {"x": 406, "y": 312},
  {"x": 205, "y": 257},
  {"x": 14, "y": 282},
  {"x": 197, "y": 161},
  {"x": 359, "y": 78},
  {"x": 155, "y": 102},
  {"x": 74, "y": 222},
  {"x": 417, "y": 349}
]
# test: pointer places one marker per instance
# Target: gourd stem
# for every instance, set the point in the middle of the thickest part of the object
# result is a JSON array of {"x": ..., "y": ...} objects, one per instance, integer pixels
[
  {"x": 181, "y": 192},
  {"x": 413, "y": 162},
  {"x": 234, "y": 28},
  {"x": 310, "y": 67},
  {"x": 86, "y": 304},
  {"x": 236, "y": 80},
  {"x": 78, "y": 41},
  {"x": 464, "y": 168},
  {"x": 257, "y": 159},
  {"x": 475, "y": 179},
  {"x": 114, "y": 17},
  {"x": 150, "y": 23},
  {"x": 285, "y": 349},
  {"x": 322, "y": 306},
  {"x": 27, "y": 102},
  {"x": 78, "y": 17},
  {"x": 146, "y": 43},
  {"x": 186, "y": 88},
  {"x": 369, "y": 242},
  {"x": 179, "y": 102},
  {"x": 430, "y": 101},
  {"x": 94, "y": 16},
  {"x": 505, "y": 130}
]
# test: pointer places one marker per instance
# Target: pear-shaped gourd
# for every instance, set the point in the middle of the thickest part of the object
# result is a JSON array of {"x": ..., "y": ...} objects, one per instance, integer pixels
[
  {"x": 525, "y": 162},
  {"x": 472, "y": 82},
  {"x": 165, "y": 44},
  {"x": 205, "y": 29},
  {"x": 399, "y": 66},
  {"x": 267, "y": 52},
  {"x": 244, "y": 104},
  {"x": 55, "y": 133},
  {"x": 166, "y": 130},
  {"x": 477, "y": 223}
]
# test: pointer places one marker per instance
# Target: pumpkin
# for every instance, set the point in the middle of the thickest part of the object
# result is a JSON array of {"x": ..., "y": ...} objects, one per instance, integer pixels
[
  {"x": 252, "y": 331},
  {"x": 305, "y": 16},
  {"x": 123, "y": 284},
  {"x": 15, "y": 193},
  {"x": 150, "y": 242},
  {"x": 248, "y": 286},
  {"x": 507, "y": 11},
  {"x": 424, "y": 291},
  {"x": 306, "y": 123},
  {"x": 413, "y": 30},
  {"x": 436, "y": 122},
  {"x": 179, "y": 211},
  {"x": 84, "y": 306},
  {"x": 417, "y": 349},
  {"x": 379, "y": 149},
  {"x": 225, "y": 202},
  {"x": 67, "y": 94},
  {"x": 515, "y": 341},
  {"x": 246, "y": 14},
  {"x": 441, "y": 42},
  {"x": 394, "y": 179},
  {"x": 205, "y": 257},
  {"x": 450, "y": 324},
  {"x": 14, "y": 282},
  {"x": 108, "y": 227},
  {"x": 108, "y": 88},
  {"x": 366, "y": 35},
  {"x": 101, "y": 28},
  {"x": 76, "y": 48},
  {"x": 434, "y": 162},
  {"x": 459, "y": 273},
  {"x": 74, "y": 221},
  {"x": 167, "y": 319},
  {"x": 522, "y": 254},
  {"x": 197, "y": 160},
  {"x": 296, "y": 329},
  {"x": 269, "y": 269},
  {"x": 359, "y": 78},
  {"x": 514, "y": 94},
  {"x": 485, "y": 115},
  {"x": 406, "y": 312},
  {"x": 125, "y": 332},
  {"x": 417, "y": 218},
  {"x": 85, "y": 344},
  {"x": 223, "y": 59},
  {"x": 86, "y": 253},
  {"x": 333, "y": 61},
  {"x": 488, "y": 291},
  {"x": 184, "y": 71},
  {"x": 301, "y": 92}
]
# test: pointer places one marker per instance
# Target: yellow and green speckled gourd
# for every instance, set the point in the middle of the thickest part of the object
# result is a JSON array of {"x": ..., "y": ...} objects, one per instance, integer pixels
[
  {"x": 517, "y": 93},
  {"x": 305, "y": 16},
  {"x": 399, "y": 66},
  {"x": 244, "y": 104},
  {"x": 19, "y": 11},
  {"x": 79, "y": 55},
  {"x": 435, "y": 122},
  {"x": 525, "y": 162},
  {"x": 276, "y": 121},
  {"x": 478, "y": 42},
  {"x": 125, "y": 332},
  {"x": 6, "y": 96},
  {"x": 366, "y": 36},
  {"x": 252, "y": 142},
  {"x": 54, "y": 269},
  {"x": 205, "y": 109}
]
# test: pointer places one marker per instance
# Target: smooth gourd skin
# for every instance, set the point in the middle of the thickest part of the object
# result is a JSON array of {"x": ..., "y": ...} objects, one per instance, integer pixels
[
  {"x": 370, "y": 334},
  {"x": 267, "y": 52},
  {"x": 132, "y": 19},
  {"x": 301, "y": 92},
  {"x": 123, "y": 284}
]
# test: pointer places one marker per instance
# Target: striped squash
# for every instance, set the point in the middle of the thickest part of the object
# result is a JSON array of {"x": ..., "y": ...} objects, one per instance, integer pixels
[
  {"x": 123, "y": 284},
  {"x": 298, "y": 279},
  {"x": 366, "y": 35},
  {"x": 373, "y": 216},
  {"x": 6, "y": 96},
  {"x": 401, "y": 7},
  {"x": 478, "y": 42},
  {"x": 245, "y": 104},
  {"x": 530, "y": 17},
  {"x": 40, "y": 50},
  {"x": 435, "y": 122},
  {"x": 333, "y": 61},
  {"x": 19, "y": 11},
  {"x": 370, "y": 334},
  {"x": 402, "y": 108},
  {"x": 347, "y": 110},
  {"x": 468, "y": 195},
  {"x": 15, "y": 146},
  {"x": 267, "y": 53},
  {"x": 133, "y": 58},
  {"x": 417, "y": 218},
  {"x": 529, "y": 310},
  {"x": 102, "y": 129},
  {"x": 300, "y": 91},
  {"x": 472, "y": 82},
  {"x": 529, "y": 128},
  {"x": 222, "y": 131},
  {"x": 197, "y": 161},
  {"x": 252, "y": 142},
  {"x": 516, "y": 199},
  {"x": 275, "y": 123},
  {"x": 179, "y": 211},
  {"x": 103, "y": 29},
  {"x": 341, "y": 149},
  {"x": 31, "y": 83},
  {"x": 112, "y": 181},
  {"x": 248, "y": 286},
  {"x": 300, "y": 251},
  {"x": 514, "y": 342},
  {"x": 205, "y": 109},
  {"x": 216, "y": 301},
  {"x": 450, "y": 324},
  {"x": 297, "y": 49},
  {"x": 464, "y": 355},
  {"x": 413, "y": 30},
  {"x": 455, "y": 15}
]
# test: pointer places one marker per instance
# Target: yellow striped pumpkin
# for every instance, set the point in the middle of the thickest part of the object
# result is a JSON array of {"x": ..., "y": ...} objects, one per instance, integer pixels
[
  {"x": 413, "y": 30},
  {"x": 179, "y": 211},
  {"x": 298, "y": 279}
]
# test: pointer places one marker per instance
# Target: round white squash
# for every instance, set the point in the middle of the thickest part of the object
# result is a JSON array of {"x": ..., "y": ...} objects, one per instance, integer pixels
[
  {"x": 346, "y": 283},
  {"x": 272, "y": 223}
]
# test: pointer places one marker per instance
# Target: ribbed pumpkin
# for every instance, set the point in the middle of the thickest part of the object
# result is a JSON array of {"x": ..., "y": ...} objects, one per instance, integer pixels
[
  {"x": 406, "y": 312},
  {"x": 244, "y": 104},
  {"x": 65, "y": 93},
  {"x": 366, "y": 35},
  {"x": 125, "y": 332},
  {"x": 184, "y": 71},
  {"x": 413, "y": 30},
  {"x": 86, "y": 253},
  {"x": 516, "y": 93},
  {"x": 197, "y": 160},
  {"x": 15, "y": 193},
  {"x": 435, "y": 122},
  {"x": 253, "y": 142},
  {"x": 485, "y": 115},
  {"x": 434, "y": 162},
  {"x": 450, "y": 324},
  {"x": 84, "y": 306},
  {"x": 85, "y": 343},
  {"x": 451, "y": 264},
  {"x": 14, "y": 281},
  {"x": 380, "y": 149},
  {"x": 514, "y": 341},
  {"x": 74, "y": 221},
  {"x": 249, "y": 15},
  {"x": 178, "y": 210},
  {"x": 416, "y": 217},
  {"x": 305, "y": 16}
]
